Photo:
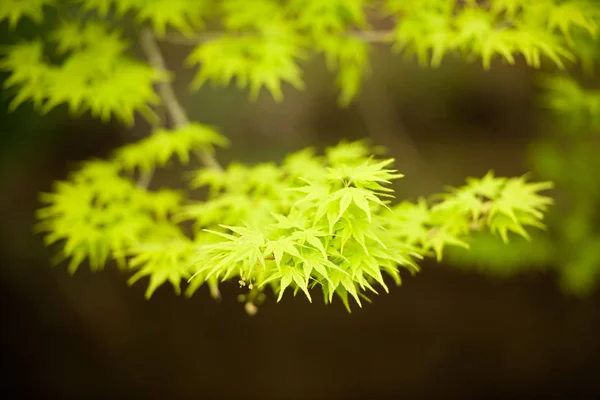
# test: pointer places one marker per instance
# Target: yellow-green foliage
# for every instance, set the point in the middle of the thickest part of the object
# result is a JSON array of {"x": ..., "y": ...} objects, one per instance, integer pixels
[
  {"x": 579, "y": 108},
  {"x": 567, "y": 155},
  {"x": 310, "y": 221},
  {"x": 326, "y": 221},
  {"x": 95, "y": 73},
  {"x": 263, "y": 41}
]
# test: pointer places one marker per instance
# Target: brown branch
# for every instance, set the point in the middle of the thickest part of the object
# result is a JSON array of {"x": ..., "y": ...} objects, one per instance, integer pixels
[
  {"x": 167, "y": 93},
  {"x": 195, "y": 39},
  {"x": 383, "y": 36}
]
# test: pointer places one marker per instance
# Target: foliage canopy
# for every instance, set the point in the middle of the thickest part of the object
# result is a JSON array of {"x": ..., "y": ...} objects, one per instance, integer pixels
[{"x": 312, "y": 220}]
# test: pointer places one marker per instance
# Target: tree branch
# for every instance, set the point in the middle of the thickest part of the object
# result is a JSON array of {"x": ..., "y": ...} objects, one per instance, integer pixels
[
  {"x": 167, "y": 94},
  {"x": 383, "y": 36}
]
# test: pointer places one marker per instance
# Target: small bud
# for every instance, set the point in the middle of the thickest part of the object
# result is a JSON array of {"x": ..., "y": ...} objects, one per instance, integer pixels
[{"x": 251, "y": 309}]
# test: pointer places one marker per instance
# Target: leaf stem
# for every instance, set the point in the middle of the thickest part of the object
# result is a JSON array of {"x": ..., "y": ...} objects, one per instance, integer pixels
[
  {"x": 144, "y": 179},
  {"x": 167, "y": 93}
]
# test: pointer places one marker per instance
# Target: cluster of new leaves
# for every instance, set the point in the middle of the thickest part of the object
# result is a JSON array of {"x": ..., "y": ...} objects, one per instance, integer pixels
[
  {"x": 495, "y": 28},
  {"x": 163, "y": 144},
  {"x": 14, "y": 10},
  {"x": 326, "y": 231},
  {"x": 567, "y": 156},
  {"x": 90, "y": 72},
  {"x": 260, "y": 43},
  {"x": 101, "y": 213},
  {"x": 323, "y": 221},
  {"x": 499, "y": 204},
  {"x": 328, "y": 222},
  {"x": 184, "y": 15},
  {"x": 429, "y": 28}
]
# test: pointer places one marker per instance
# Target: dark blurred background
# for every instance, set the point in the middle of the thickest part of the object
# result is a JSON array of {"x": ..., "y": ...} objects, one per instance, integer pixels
[{"x": 445, "y": 333}]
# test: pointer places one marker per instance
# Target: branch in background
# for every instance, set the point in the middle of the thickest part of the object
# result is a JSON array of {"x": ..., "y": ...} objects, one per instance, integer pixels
[
  {"x": 144, "y": 179},
  {"x": 167, "y": 94},
  {"x": 384, "y": 36},
  {"x": 385, "y": 126},
  {"x": 176, "y": 38},
  {"x": 173, "y": 107}
]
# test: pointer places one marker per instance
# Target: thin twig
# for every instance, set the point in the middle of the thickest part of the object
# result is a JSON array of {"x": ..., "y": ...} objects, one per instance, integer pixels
[
  {"x": 203, "y": 37},
  {"x": 386, "y": 36},
  {"x": 167, "y": 94},
  {"x": 144, "y": 179}
]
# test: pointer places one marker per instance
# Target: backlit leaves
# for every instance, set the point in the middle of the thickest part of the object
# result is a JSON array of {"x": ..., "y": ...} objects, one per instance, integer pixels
[
  {"x": 324, "y": 16},
  {"x": 99, "y": 214},
  {"x": 239, "y": 14},
  {"x": 566, "y": 16},
  {"x": 502, "y": 205},
  {"x": 312, "y": 222},
  {"x": 162, "y": 261},
  {"x": 349, "y": 56},
  {"x": 504, "y": 28},
  {"x": 14, "y": 10},
  {"x": 577, "y": 107},
  {"x": 268, "y": 228},
  {"x": 95, "y": 75},
  {"x": 517, "y": 205},
  {"x": 183, "y": 15},
  {"x": 265, "y": 59},
  {"x": 163, "y": 144},
  {"x": 341, "y": 236},
  {"x": 263, "y": 42}
]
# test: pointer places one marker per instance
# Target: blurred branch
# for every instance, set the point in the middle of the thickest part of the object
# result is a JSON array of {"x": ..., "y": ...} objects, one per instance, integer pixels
[
  {"x": 144, "y": 179},
  {"x": 384, "y": 125},
  {"x": 167, "y": 93},
  {"x": 383, "y": 36}
]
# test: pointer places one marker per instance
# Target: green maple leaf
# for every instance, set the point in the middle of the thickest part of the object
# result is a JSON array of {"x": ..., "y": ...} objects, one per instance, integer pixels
[
  {"x": 240, "y": 14},
  {"x": 14, "y": 10},
  {"x": 328, "y": 15},
  {"x": 532, "y": 43},
  {"x": 441, "y": 238},
  {"x": 312, "y": 236},
  {"x": 580, "y": 14},
  {"x": 367, "y": 175},
  {"x": 96, "y": 37},
  {"x": 410, "y": 221},
  {"x": 183, "y": 15},
  {"x": 278, "y": 248},
  {"x": 510, "y": 7},
  {"x": 348, "y": 153},
  {"x": 163, "y": 144},
  {"x": 289, "y": 275},
  {"x": 518, "y": 204},
  {"x": 503, "y": 43},
  {"x": 162, "y": 261},
  {"x": 266, "y": 60}
]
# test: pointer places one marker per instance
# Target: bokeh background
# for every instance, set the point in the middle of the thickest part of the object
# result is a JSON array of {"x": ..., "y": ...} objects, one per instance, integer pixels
[{"x": 446, "y": 333}]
